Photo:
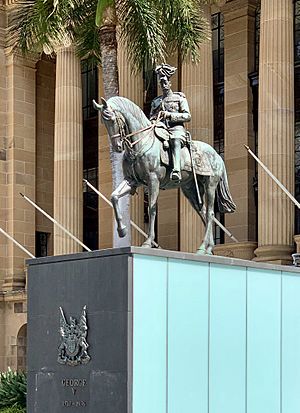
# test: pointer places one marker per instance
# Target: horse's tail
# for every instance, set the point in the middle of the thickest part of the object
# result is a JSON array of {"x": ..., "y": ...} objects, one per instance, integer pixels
[{"x": 224, "y": 198}]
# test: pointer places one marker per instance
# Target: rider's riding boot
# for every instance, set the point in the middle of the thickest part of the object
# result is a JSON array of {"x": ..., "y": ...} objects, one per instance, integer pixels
[
  {"x": 176, "y": 174},
  {"x": 166, "y": 144}
]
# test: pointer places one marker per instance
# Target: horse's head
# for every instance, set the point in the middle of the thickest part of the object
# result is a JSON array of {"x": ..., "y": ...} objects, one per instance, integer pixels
[{"x": 114, "y": 122}]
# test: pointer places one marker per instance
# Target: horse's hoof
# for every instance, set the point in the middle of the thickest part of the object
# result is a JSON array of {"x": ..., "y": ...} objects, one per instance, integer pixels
[
  {"x": 146, "y": 244},
  {"x": 122, "y": 231},
  {"x": 201, "y": 251}
]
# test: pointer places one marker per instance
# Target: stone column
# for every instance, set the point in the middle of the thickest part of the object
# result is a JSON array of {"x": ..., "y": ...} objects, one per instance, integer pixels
[
  {"x": 276, "y": 131},
  {"x": 18, "y": 162},
  {"x": 197, "y": 84},
  {"x": 3, "y": 135},
  {"x": 68, "y": 198},
  {"x": 239, "y": 43}
]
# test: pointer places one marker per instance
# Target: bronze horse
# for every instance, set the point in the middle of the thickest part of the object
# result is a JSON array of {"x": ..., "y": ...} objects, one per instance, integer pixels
[{"x": 130, "y": 131}]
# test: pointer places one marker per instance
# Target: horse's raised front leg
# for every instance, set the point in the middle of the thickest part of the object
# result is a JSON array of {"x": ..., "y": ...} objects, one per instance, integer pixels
[
  {"x": 153, "y": 191},
  {"x": 123, "y": 189}
]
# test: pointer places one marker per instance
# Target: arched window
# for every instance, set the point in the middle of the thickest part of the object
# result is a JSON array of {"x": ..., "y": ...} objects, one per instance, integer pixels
[{"x": 22, "y": 348}]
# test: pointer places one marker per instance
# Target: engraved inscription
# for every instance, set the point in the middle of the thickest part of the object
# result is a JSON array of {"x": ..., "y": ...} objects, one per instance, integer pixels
[
  {"x": 74, "y": 382},
  {"x": 74, "y": 386},
  {"x": 72, "y": 403}
]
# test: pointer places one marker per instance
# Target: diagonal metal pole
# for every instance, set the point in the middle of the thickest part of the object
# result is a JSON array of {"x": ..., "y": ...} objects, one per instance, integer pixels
[
  {"x": 55, "y": 222},
  {"x": 281, "y": 186},
  {"x": 16, "y": 243},
  {"x": 227, "y": 232},
  {"x": 133, "y": 224}
]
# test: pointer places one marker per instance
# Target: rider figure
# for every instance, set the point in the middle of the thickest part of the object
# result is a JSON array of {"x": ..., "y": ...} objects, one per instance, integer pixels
[{"x": 174, "y": 111}]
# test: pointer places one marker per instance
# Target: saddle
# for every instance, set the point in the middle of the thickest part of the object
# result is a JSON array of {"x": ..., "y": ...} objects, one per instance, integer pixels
[{"x": 202, "y": 163}]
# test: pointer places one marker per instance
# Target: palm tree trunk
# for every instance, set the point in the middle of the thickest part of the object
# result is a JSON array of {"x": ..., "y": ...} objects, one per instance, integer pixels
[{"x": 109, "y": 49}]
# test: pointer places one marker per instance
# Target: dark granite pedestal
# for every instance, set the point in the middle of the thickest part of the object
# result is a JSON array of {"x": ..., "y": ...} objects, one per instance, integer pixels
[
  {"x": 168, "y": 332},
  {"x": 99, "y": 281}
]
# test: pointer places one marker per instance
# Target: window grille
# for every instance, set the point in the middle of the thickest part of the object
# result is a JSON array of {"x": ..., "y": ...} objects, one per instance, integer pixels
[
  {"x": 218, "y": 78},
  {"x": 41, "y": 244},
  {"x": 89, "y": 77}
]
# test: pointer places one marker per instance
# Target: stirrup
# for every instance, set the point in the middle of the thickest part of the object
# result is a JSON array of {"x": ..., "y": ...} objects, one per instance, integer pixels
[{"x": 176, "y": 176}]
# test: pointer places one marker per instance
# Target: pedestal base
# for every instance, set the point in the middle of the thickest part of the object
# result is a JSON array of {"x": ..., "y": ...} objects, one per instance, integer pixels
[
  {"x": 241, "y": 250},
  {"x": 163, "y": 328},
  {"x": 297, "y": 242},
  {"x": 276, "y": 254},
  {"x": 14, "y": 282}
]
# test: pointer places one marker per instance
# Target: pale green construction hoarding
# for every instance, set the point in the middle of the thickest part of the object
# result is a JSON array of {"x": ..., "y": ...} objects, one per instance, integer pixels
[{"x": 214, "y": 337}]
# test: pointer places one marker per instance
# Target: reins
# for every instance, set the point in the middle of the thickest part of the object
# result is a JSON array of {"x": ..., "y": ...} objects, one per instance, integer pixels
[{"x": 129, "y": 135}]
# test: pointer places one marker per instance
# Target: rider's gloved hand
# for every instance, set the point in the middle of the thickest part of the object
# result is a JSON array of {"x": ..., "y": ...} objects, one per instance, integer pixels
[{"x": 165, "y": 115}]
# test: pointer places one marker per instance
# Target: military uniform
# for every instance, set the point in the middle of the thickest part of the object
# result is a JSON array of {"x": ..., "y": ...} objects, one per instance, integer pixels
[{"x": 178, "y": 112}]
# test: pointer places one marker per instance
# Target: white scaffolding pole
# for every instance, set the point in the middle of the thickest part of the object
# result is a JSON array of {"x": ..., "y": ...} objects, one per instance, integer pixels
[
  {"x": 16, "y": 243},
  {"x": 133, "y": 224},
  {"x": 55, "y": 222},
  {"x": 217, "y": 222},
  {"x": 281, "y": 186}
]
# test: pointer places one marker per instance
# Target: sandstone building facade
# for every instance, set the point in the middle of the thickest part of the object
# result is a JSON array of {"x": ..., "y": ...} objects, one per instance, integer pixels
[{"x": 244, "y": 91}]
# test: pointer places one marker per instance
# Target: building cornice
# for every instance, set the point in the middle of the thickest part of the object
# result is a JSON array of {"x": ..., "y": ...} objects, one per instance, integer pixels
[
  {"x": 3, "y": 25},
  {"x": 237, "y": 8},
  {"x": 19, "y": 295},
  {"x": 235, "y": 5},
  {"x": 17, "y": 58}
]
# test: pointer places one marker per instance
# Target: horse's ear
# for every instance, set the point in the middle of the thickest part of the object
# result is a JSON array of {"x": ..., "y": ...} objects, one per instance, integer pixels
[
  {"x": 97, "y": 106},
  {"x": 104, "y": 102},
  {"x": 106, "y": 106}
]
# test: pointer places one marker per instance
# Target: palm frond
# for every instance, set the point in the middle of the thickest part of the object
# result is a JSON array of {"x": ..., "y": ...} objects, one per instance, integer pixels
[
  {"x": 87, "y": 35},
  {"x": 30, "y": 26},
  {"x": 141, "y": 31},
  {"x": 185, "y": 25},
  {"x": 207, "y": 2},
  {"x": 38, "y": 24}
]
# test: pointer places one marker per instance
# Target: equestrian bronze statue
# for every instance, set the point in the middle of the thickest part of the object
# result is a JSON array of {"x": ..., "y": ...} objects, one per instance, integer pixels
[{"x": 160, "y": 155}]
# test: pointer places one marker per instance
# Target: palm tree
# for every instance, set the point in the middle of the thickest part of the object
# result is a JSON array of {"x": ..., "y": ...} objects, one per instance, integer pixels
[{"x": 150, "y": 29}]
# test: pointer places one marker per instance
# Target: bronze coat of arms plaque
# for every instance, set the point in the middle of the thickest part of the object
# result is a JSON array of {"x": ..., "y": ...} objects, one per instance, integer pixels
[{"x": 73, "y": 347}]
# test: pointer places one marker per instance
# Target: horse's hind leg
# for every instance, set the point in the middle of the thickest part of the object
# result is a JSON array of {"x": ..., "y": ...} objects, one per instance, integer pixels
[
  {"x": 208, "y": 241},
  {"x": 123, "y": 189}
]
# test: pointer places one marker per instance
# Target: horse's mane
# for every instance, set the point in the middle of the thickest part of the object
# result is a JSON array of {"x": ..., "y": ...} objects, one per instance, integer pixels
[{"x": 129, "y": 108}]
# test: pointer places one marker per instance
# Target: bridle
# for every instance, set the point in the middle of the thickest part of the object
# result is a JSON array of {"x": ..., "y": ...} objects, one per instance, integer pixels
[{"x": 125, "y": 137}]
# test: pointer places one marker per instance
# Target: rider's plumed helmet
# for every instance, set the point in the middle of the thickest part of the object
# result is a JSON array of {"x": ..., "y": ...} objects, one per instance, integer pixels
[{"x": 165, "y": 70}]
